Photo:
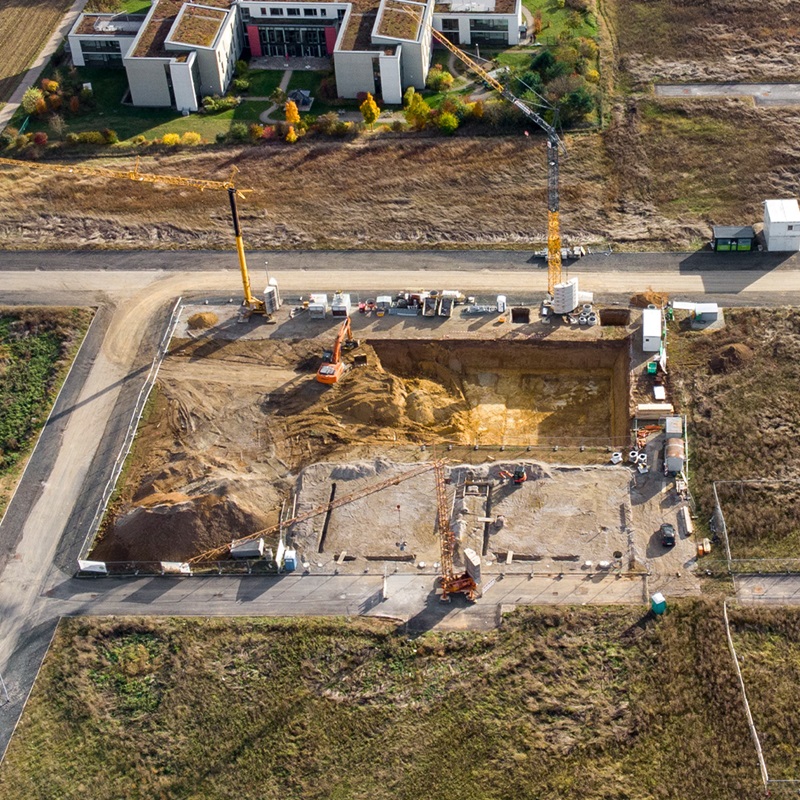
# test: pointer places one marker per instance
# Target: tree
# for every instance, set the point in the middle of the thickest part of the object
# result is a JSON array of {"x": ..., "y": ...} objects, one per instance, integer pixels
[
  {"x": 537, "y": 23},
  {"x": 57, "y": 125},
  {"x": 418, "y": 113},
  {"x": 291, "y": 136},
  {"x": 408, "y": 96},
  {"x": 31, "y": 99},
  {"x": 369, "y": 110},
  {"x": 448, "y": 123},
  {"x": 292, "y": 114}
]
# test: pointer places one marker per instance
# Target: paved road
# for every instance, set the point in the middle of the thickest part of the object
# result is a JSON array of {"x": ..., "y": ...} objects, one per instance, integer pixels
[
  {"x": 58, "y": 490},
  {"x": 766, "y": 94}
]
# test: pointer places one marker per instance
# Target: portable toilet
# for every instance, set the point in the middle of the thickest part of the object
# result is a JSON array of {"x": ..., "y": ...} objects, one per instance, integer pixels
[
  {"x": 318, "y": 306},
  {"x": 340, "y": 305},
  {"x": 501, "y": 304},
  {"x": 290, "y": 560},
  {"x": 658, "y": 603},
  {"x": 383, "y": 304},
  {"x": 652, "y": 326}
]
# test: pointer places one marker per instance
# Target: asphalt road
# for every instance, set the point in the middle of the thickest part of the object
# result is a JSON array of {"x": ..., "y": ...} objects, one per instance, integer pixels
[
  {"x": 767, "y": 94},
  {"x": 47, "y": 522}
]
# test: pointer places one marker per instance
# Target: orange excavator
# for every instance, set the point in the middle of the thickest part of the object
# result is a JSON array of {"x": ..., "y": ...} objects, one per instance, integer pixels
[{"x": 332, "y": 366}]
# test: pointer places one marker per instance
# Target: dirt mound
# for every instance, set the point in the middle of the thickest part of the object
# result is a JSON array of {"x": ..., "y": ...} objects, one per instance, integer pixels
[
  {"x": 730, "y": 357},
  {"x": 204, "y": 319},
  {"x": 644, "y": 299}
]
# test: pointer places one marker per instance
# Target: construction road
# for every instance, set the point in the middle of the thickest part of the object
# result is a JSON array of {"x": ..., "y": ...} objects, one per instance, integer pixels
[{"x": 46, "y": 522}]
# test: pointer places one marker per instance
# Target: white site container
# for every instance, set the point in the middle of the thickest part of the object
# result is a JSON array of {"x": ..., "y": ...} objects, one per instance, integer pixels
[
  {"x": 318, "y": 306},
  {"x": 340, "y": 305},
  {"x": 673, "y": 427},
  {"x": 383, "y": 304},
  {"x": 272, "y": 297},
  {"x": 652, "y": 327},
  {"x": 501, "y": 304},
  {"x": 782, "y": 225},
  {"x": 565, "y": 297}
]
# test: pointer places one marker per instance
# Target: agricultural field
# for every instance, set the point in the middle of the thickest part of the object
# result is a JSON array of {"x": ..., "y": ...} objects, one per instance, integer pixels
[
  {"x": 558, "y": 703},
  {"x": 26, "y": 28},
  {"x": 36, "y": 349}
]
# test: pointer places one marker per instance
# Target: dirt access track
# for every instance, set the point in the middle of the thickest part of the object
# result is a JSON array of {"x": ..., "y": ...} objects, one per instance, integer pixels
[{"x": 239, "y": 426}]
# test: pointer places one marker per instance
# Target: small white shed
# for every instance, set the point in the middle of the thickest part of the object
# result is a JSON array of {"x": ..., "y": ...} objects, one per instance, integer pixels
[
  {"x": 782, "y": 225},
  {"x": 652, "y": 326}
]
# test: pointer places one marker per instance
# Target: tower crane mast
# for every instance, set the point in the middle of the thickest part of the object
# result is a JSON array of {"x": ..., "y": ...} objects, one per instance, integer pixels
[
  {"x": 253, "y": 304},
  {"x": 554, "y": 144}
]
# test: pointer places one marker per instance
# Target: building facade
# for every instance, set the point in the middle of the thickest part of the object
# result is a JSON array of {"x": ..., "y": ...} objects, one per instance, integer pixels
[{"x": 181, "y": 51}]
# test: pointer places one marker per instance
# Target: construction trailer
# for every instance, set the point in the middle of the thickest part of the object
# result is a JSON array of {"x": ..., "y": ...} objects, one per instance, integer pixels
[
  {"x": 652, "y": 329},
  {"x": 782, "y": 225}
]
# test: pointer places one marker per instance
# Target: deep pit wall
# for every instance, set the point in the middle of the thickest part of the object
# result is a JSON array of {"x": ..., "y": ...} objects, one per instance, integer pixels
[{"x": 442, "y": 361}]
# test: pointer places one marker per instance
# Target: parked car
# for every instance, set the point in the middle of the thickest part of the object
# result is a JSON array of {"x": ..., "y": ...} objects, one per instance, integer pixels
[{"x": 667, "y": 535}]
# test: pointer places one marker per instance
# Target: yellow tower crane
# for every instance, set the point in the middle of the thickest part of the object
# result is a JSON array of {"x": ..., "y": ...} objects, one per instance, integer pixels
[
  {"x": 554, "y": 144},
  {"x": 254, "y": 305}
]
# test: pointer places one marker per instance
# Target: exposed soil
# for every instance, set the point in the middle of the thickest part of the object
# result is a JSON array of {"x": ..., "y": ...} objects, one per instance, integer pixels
[
  {"x": 204, "y": 319},
  {"x": 233, "y": 421}
]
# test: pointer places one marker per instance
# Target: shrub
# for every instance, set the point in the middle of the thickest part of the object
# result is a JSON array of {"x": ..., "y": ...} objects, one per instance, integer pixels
[
  {"x": 239, "y": 131},
  {"x": 408, "y": 96},
  {"x": 29, "y": 100},
  {"x": 8, "y": 136},
  {"x": 215, "y": 103},
  {"x": 40, "y": 138},
  {"x": 418, "y": 113},
  {"x": 326, "y": 123},
  {"x": 109, "y": 136},
  {"x": 269, "y": 132},
  {"x": 72, "y": 138},
  {"x": 74, "y": 104},
  {"x": 171, "y": 139},
  {"x": 91, "y": 137},
  {"x": 222, "y": 137},
  {"x": 54, "y": 101},
  {"x": 86, "y": 94},
  {"x": 57, "y": 125},
  {"x": 447, "y": 123},
  {"x": 41, "y": 107},
  {"x": 241, "y": 68},
  {"x": 477, "y": 108},
  {"x": 343, "y": 128},
  {"x": 398, "y": 125},
  {"x": 327, "y": 89},
  {"x": 22, "y": 141},
  {"x": 49, "y": 86},
  {"x": 439, "y": 80},
  {"x": 278, "y": 96},
  {"x": 255, "y": 131},
  {"x": 578, "y": 5},
  {"x": 191, "y": 139},
  {"x": 139, "y": 140},
  {"x": 281, "y": 129},
  {"x": 291, "y": 136},
  {"x": 241, "y": 84},
  {"x": 592, "y": 75}
]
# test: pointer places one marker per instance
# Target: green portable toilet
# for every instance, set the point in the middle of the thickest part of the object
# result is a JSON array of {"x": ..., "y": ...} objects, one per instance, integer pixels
[{"x": 658, "y": 603}]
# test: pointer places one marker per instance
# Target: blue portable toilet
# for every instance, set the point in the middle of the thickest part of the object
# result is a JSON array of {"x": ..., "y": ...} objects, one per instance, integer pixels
[
  {"x": 290, "y": 560},
  {"x": 658, "y": 603}
]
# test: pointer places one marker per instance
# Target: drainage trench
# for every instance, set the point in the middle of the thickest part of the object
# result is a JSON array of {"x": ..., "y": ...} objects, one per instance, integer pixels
[{"x": 327, "y": 522}]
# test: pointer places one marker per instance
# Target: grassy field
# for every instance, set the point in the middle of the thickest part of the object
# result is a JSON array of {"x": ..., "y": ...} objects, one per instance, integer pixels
[
  {"x": 739, "y": 387},
  {"x": 768, "y": 646},
  {"x": 556, "y": 20},
  {"x": 560, "y": 703},
  {"x": 723, "y": 40},
  {"x": 26, "y": 29},
  {"x": 36, "y": 349}
]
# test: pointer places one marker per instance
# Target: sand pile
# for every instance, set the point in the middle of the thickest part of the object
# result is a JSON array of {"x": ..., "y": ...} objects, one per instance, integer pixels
[
  {"x": 648, "y": 298},
  {"x": 202, "y": 320}
]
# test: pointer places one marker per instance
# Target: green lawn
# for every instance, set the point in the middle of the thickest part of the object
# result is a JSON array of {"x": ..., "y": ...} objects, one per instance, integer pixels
[
  {"x": 109, "y": 87},
  {"x": 560, "y": 703},
  {"x": 309, "y": 79},
  {"x": 263, "y": 82},
  {"x": 121, "y": 6},
  {"x": 555, "y": 20}
]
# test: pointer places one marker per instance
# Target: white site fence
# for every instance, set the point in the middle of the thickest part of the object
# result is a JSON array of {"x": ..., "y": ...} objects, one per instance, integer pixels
[{"x": 130, "y": 435}]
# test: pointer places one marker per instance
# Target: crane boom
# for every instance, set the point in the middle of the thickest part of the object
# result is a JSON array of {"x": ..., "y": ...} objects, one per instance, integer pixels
[
  {"x": 253, "y": 304},
  {"x": 554, "y": 143}
]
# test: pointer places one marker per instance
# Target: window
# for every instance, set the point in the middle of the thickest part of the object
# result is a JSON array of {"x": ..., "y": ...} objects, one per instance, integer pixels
[
  {"x": 276, "y": 12},
  {"x": 488, "y": 25},
  {"x": 293, "y": 12},
  {"x": 323, "y": 12},
  {"x": 263, "y": 11},
  {"x": 310, "y": 12},
  {"x": 99, "y": 46},
  {"x": 790, "y": 227},
  {"x": 449, "y": 24}
]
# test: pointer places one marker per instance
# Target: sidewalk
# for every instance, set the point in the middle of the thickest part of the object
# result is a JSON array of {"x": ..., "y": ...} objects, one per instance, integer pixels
[{"x": 32, "y": 75}]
